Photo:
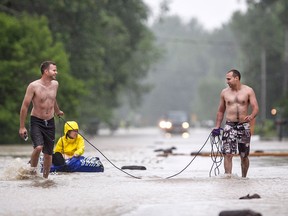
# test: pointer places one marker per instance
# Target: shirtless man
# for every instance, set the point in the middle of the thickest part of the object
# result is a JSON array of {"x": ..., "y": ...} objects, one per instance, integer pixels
[
  {"x": 42, "y": 93},
  {"x": 235, "y": 101}
]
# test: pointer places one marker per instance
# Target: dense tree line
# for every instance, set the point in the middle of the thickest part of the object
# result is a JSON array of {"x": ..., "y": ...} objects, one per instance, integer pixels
[
  {"x": 192, "y": 71},
  {"x": 262, "y": 33},
  {"x": 195, "y": 62},
  {"x": 25, "y": 42},
  {"x": 102, "y": 48}
]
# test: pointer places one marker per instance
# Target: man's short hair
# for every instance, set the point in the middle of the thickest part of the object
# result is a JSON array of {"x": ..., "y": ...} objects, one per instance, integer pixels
[
  {"x": 45, "y": 65},
  {"x": 236, "y": 73}
]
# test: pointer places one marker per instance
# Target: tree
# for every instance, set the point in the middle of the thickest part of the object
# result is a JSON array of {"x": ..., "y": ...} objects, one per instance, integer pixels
[
  {"x": 189, "y": 55},
  {"x": 280, "y": 9},
  {"x": 25, "y": 42},
  {"x": 208, "y": 97},
  {"x": 110, "y": 47},
  {"x": 257, "y": 36}
]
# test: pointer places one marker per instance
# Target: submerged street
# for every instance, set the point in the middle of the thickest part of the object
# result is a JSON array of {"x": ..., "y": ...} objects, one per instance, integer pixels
[{"x": 113, "y": 192}]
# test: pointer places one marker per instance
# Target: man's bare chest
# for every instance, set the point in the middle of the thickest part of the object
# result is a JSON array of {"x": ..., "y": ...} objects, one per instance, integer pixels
[
  {"x": 236, "y": 99},
  {"x": 43, "y": 94}
]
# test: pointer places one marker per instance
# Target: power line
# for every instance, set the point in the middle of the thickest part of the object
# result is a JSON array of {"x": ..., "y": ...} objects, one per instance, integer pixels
[{"x": 197, "y": 41}]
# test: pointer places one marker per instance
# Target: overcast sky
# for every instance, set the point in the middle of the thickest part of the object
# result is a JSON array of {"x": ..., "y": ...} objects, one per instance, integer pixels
[{"x": 210, "y": 13}]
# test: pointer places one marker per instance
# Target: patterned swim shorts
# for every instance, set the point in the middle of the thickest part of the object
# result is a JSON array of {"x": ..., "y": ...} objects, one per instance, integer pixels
[{"x": 235, "y": 135}]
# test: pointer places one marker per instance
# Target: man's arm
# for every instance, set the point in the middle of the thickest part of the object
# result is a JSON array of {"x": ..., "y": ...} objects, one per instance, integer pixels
[
  {"x": 57, "y": 111},
  {"x": 254, "y": 106},
  {"x": 221, "y": 111},
  {"x": 24, "y": 109}
]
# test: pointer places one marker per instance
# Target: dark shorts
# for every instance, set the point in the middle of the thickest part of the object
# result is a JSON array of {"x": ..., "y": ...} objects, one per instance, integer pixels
[
  {"x": 236, "y": 135},
  {"x": 42, "y": 133}
]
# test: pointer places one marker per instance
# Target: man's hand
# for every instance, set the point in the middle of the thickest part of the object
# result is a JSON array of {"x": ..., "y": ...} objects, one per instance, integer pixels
[
  {"x": 216, "y": 132},
  {"x": 248, "y": 118},
  {"x": 60, "y": 113},
  {"x": 23, "y": 133}
]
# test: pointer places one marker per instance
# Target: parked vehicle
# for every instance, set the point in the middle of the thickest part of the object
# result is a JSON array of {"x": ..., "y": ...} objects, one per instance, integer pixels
[{"x": 176, "y": 122}]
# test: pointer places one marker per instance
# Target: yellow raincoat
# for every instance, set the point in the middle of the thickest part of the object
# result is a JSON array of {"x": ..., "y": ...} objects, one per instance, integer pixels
[{"x": 68, "y": 146}]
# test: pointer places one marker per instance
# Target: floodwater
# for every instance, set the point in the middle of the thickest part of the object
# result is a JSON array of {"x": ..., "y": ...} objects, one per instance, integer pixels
[{"x": 192, "y": 192}]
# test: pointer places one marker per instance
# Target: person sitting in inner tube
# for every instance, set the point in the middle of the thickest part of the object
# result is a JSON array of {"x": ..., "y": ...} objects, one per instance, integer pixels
[{"x": 68, "y": 146}]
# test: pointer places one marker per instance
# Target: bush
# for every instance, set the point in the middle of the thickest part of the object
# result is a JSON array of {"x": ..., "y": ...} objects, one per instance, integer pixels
[{"x": 266, "y": 129}]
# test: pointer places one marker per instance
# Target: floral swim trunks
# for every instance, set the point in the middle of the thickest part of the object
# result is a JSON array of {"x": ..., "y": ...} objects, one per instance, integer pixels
[{"x": 235, "y": 135}]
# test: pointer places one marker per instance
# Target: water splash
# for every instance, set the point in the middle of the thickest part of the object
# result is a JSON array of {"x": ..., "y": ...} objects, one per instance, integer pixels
[
  {"x": 229, "y": 176},
  {"x": 19, "y": 170}
]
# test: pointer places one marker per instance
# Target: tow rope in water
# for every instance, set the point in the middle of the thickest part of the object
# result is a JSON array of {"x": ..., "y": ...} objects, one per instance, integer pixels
[
  {"x": 215, "y": 144},
  {"x": 214, "y": 140},
  {"x": 191, "y": 160}
]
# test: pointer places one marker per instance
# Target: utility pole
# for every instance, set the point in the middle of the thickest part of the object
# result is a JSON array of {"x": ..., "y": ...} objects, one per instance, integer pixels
[
  {"x": 263, "y": 84},
  {"x": 285, "y": 63}
]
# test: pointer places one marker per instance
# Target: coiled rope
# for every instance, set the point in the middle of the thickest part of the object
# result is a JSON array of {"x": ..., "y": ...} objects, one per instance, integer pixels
[{"x": 216, "y": 154}]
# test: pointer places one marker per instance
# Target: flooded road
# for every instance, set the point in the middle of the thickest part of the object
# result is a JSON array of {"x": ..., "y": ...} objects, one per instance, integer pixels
[{"x": 114, "y": 193}]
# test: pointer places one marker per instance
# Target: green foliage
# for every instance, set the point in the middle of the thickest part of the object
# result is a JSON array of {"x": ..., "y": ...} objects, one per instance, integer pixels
[
  {"x": 282, "y": 107},
  {"x": 266, "y": 129},
  {"x": 110, "y": 47},
  {"x": 191, "y": 71},
  {"x": 25, "y": 42},
  {"x": 261, "y": 28},
  {"x": 208, "y": 97}
]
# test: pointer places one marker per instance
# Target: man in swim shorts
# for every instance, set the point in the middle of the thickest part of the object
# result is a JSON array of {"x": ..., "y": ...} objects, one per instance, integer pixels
[
  {"x": 42, "y": 93},
  {"x": 234, "y": 102}
]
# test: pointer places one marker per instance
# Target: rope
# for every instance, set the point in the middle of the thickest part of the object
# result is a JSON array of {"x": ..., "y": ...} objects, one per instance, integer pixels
[
  {"x": 191, "y": 160},
  {"x": 216, "y": 154},
  {"x": 61, "y": 135}
]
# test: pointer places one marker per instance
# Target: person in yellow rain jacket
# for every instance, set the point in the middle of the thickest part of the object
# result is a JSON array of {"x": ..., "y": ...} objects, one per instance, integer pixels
[{"x": 70, "y": 145}]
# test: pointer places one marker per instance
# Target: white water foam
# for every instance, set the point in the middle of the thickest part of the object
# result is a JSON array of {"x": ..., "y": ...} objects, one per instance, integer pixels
[{"x": 17, "y": 169}]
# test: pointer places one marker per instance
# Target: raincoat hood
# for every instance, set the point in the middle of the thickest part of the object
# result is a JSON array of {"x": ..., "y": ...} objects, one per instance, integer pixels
[
  {"x": 67, "y": 145},
  {"x": 70, "y": 125}
]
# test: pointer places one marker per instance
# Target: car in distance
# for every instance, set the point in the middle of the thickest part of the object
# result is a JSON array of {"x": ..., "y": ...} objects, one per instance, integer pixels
[{"x": 175, "y": 122}]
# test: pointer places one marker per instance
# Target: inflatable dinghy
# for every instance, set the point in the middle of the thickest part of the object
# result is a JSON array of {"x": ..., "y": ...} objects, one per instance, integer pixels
[{"x": 77, "y": 164}]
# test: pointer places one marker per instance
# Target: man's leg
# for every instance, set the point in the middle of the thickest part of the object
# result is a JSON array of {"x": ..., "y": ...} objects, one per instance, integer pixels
[
  {"x": 47, "y": 165},
  {"x": 244, "y": 148},
  {"x": 34, "y": 158},
  {"x": 244, "y": 166},
  {"x": 228, "y": 163}
]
